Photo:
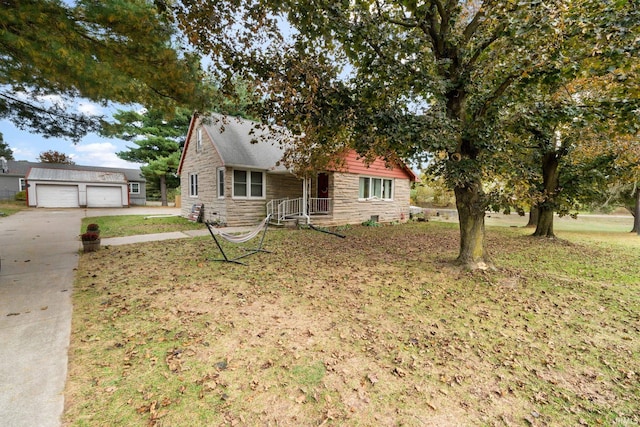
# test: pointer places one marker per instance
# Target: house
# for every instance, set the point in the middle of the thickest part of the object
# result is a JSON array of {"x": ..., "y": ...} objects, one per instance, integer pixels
[
  {"x": 232, "y": 168},
  {"x": 62, "y": 185}
]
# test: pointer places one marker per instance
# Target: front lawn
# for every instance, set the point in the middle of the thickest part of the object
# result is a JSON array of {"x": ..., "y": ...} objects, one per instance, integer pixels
[
  {"x": 131, "y": 225},
  {"x": 377, "y": 329}
]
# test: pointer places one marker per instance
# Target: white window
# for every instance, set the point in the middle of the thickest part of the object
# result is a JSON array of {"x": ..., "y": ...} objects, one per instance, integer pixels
[
  {"x": 375, "y": 188},
  {"x": 221, "y": 182},
  {"x": 22, "y": 184},
  {"x": 248, "y": 184},
  {"x": 365, "y": 187},
  {"x": 134, "y": 187},
  {"x": 199, "y": 139},
  {"x": 193, "y": 185}
]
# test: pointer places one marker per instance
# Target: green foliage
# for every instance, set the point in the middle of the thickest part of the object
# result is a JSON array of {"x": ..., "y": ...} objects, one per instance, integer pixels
[
  {"x": 345, "y": 227},
  {"x": 53, "y": 51},
  {"x": 371, "y": 223},
  {"x": 401, "y": 79},
  {"x": 432, "y": 191},
  {"x": 21, "y": 196},
  {"x": 5, "y": 150},
  {"x": 158, "y": 138},
  {"x": 432, "y": 79}
]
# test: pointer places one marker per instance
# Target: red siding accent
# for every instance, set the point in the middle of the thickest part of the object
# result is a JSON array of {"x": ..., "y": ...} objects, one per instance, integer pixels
[{"x": 355, "y": 164}]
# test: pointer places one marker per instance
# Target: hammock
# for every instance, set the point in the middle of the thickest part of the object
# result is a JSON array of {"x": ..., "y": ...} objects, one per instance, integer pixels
[{"x": 239, "y": 238}]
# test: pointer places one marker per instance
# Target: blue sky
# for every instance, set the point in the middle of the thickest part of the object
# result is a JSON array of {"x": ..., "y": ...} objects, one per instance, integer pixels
[{"x": 92, "y": 150}]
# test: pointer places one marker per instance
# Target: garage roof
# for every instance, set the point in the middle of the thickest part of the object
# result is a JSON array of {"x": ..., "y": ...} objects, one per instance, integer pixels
[
  {"x": 70, "y": 175},
  {"x": 21, "y": 168}
]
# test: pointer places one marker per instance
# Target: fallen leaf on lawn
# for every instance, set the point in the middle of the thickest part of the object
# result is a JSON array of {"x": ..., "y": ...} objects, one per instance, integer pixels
[
  {"x": 399, "y": 372},
  {"x": 373, "y": 378}
]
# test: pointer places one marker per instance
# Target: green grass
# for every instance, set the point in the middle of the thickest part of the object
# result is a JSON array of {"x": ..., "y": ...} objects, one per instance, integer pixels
[
  {"x": 376, "y": 329},
  {"x": 9, "y": 207},
  {"x": 131, "y": 225},
  {"x": 583, "y": 223}
]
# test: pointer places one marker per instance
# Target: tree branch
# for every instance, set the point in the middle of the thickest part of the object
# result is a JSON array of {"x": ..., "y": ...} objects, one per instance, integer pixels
[
  {"x": 500, "y": 90},
  {"x": 434, "y": 34},
  {"x": 495, "y": 36},
  {"x": 27, "y": 106},
  {"x": 471, "y": 28}
]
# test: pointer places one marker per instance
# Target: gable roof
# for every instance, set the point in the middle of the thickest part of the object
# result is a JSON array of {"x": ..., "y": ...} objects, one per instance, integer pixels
[
  {"x": 70, "y": 175},
  {"x": 356, "y": 164},
  {"x": 240, "y": 142},
  {"x": 246, "y": 144},
  {"x": 21, "y": 168}
]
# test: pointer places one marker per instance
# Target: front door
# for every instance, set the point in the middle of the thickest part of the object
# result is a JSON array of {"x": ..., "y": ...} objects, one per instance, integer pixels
[{"x": 323, "y": 186}]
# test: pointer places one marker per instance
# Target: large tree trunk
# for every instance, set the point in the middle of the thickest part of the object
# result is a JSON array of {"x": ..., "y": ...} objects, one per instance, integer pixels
[
  {"x": 470, "y": 200},
  {"x": 534, "y": 213},
  {"x": 546, "y": 209},
  {"x": 470, "y": 204},
  {"x": 544, "y": 227},
  {"x": 163, "y": 190}
]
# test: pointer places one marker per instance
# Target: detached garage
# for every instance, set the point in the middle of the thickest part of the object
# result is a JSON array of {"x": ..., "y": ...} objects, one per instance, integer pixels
[{"x": 66, "y": 188}]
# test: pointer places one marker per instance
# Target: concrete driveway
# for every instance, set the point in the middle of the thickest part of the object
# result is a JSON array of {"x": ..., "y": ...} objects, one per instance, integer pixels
[{"x": 39, "y": 250}]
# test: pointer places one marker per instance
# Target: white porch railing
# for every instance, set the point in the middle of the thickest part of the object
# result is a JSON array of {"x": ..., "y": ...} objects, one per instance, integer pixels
[
  {"x": 320, "y": 205},
  {"x": 282, "y": 209}
]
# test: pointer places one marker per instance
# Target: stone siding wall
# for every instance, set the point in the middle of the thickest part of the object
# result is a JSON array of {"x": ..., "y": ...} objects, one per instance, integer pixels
[
  {"x": 205, "y": 163},
  {"x": 347, "y": 209},
  {"x": 280, "y": 186}
]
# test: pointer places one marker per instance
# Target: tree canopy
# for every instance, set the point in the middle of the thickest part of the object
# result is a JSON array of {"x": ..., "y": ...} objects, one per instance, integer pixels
[
  {"x": 53, "y": 156},
  {"x": 408, "y": 78},
  {"x": 157, "y": 142},
  {"x": 54, "y": 52}
]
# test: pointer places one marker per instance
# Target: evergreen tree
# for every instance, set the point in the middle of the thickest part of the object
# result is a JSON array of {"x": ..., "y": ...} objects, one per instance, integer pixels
[
  {"x": 5, "y": 150},
  {"x": 158, "y": 142},
  {"x": 52, "y": 52}
]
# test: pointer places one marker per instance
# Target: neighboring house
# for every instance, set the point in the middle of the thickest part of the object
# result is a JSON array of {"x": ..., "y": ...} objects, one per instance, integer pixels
[
  {"x": 12, "y": 178},
  {"x": 72, "y": 185},
  {"x": 233, "y": 169}
]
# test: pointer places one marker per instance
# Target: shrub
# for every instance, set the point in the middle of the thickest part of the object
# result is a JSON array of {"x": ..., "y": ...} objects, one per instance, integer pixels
[{"x": 93, "y": 227}]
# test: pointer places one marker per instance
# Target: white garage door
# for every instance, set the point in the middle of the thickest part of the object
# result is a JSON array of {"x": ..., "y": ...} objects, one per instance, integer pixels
[
  {"x": 57, "y": 196},
  {"x": 104, "y": 197}
]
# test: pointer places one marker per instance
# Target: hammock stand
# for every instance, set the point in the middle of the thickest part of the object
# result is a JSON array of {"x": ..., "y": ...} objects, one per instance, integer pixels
[
  {"x": 322, "y": 230},
  {"x": 237, "y": 239}
]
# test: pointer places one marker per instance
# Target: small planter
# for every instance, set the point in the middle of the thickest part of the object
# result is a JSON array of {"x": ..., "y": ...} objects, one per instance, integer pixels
[
  {"x": 90, "y": 241},
  {"x": 91, "y": 245}
]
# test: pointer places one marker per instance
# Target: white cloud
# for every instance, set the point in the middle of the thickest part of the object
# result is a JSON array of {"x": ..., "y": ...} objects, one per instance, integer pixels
[
  {"x": 90, "y": 108},
  {"x": 100, "y": 154},
  {"x": 20, "y": 153}
]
